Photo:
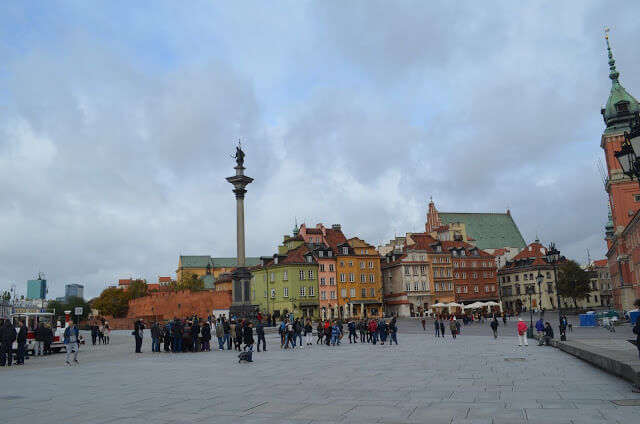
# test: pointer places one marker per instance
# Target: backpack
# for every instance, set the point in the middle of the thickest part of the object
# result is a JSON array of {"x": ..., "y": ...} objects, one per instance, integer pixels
[{"x": 282, "y": 327}]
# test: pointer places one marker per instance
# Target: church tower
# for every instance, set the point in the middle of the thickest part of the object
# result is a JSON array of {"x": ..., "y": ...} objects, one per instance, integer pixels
[{"x": 624, "y": 193}]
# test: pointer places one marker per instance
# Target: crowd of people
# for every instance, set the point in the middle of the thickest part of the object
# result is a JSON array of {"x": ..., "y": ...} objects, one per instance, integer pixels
[{"x": 100, "y": 332}]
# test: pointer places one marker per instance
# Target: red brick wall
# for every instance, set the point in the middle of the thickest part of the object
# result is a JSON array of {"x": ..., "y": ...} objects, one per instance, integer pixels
[{"x": 167, "y": 305}]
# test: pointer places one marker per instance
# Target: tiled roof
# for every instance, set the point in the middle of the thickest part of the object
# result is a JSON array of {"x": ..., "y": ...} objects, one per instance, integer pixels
[
  {"x": 335, "y": 237},
  {"x": 491, "y": 230},
  {"x": 296, "y": 256},
  {"x": 534, "y": 250},
  {"x": 195, "y": 261},
  {"x": 233, "y": 262},
  {"x": 164, "y": 279},
  {"x": 601, "y": 263},
  {"x": 399, "y": 258},
  {"x": 422, "y": 241},
  {"x": 314, "y": 231},
  {"x": 446, "y": 245}
]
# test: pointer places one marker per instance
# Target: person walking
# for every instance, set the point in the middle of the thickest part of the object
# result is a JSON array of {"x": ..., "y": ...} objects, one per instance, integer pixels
[
  {"x": 21, "y": 340},
  {"x": 352, "y": 332},
  {"x": 437, "y": 326},
  {"x": 453, "y": 327},
  {"x": 424, "y": 324},
  {"x": 94, "y": 333},
  {"x": 297, "y": 332},
  {"x": 260, "y": 334},
  {"x": 308, "y": 332},
  {"x": 328, "y": 329},
  {"x": 39, "y": 335},
  {"x": 155, "y": 337},
  {"x": 494, "y": 327},
  {"x": 176, "y": 336},
  {"x": 362, "y": 328},
  {"x": 106, "y": 333},
  {"x": 72, "y": 342},
  {"x": 238, "y": 340},
  {"x": 442, "y": 328},
  {"x": 247, "y": 336},
  {"x": 195, "y": 332},
  {"x": 138, "y": 332},
  {"x": 522, "y": 333}
]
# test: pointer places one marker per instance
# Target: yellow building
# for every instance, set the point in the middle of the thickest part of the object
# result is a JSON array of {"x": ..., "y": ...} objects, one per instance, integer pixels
[
  {"x": 359, "y": 279},
  {"x": 207, "y": 265}
]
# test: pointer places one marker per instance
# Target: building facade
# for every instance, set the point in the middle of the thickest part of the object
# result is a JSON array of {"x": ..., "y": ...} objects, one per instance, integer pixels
[
  {"x": 37, "y": 289},
  {"x": 207, "y": 265},
  {"x": 73, "y": 290},
  {"x": 474, "y": 273},
  {"x": 518, "y": 278},
  {"x": 624, "y": 195},
  {"x": 601, "y": 267}
]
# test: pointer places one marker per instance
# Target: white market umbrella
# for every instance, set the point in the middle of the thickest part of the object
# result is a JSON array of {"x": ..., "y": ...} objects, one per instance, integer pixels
[
  {"x": 492, "y": 303},
  {"x": 439, "y": 305}
]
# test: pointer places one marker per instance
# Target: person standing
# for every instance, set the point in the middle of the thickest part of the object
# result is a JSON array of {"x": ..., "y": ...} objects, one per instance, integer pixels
[
  {"x": 437, "y": 326},
  {"x": 335, "y": 333},
  {"x": 297, "y": 329},
  {"x": 383, "y": 331},
  {"x": 320, "y": 330},
  {"x": 21, "y": 339},
  {"x": 247, "y": 336},
  {"x": 362, "y": 328},
  {"x": 442, "y": 328},
  {"x": 155, "y": 337},
  {"x": 238, "y": 341},
  {"x": 176, "y": 336},
  {"x": 38, "y": 335},
  {"x": 373, "y": 330},
  {"x": 504, "y": 318},
  {"x": 260, "y": 334},
  {"x": 522, "y": 333},
  {"x": 540, "y": 328},
  {"x": 195, "y": 332},
  {"x": 494, "y": 327},
  {"x": 106, "y": 333},
  {"x": 393, "y": 332},
  {"x": 72, "y": 342},
  {"x": 220, "y": 334},
  {"x": 328, "y": 329},
  {"x": 94, "y": 333},
  {"x": 308, "y": 332},
  {"x": 424, "y": 324},
  {"x": 7, "y": 337},
  {"x": 48, "y": 339},
  {"x": 227, "y": 333},
  {"x": 206, "y": 337},
  {"x": 138, "y": 332}
]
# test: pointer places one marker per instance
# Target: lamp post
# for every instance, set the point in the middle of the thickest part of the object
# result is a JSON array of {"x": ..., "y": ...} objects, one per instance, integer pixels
[
  {"x": 553, "y": 256},
  {"x": 539, "y": 279},
  {"x": 530, "y": 291},
  {"x": 630, "y": 150}
]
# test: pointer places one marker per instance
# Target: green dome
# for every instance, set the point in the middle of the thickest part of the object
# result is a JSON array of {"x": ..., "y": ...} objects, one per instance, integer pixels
[{"x": 621, "y": 105}]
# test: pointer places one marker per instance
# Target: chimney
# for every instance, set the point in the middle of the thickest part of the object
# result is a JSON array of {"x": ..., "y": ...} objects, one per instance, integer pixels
[{"x": 336, "y": 226}]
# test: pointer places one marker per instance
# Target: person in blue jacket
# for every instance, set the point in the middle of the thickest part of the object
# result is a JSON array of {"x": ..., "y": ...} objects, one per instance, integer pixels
[
  {"x": 335, "y": 333},
  {"x": 72, "y": 342},
  {"x": 540, "y": 328},
  {"x": 383, "y": 330}
]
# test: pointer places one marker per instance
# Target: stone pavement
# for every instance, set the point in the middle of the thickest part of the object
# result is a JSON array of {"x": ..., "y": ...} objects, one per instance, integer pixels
[{"x": 473, "y": 379}]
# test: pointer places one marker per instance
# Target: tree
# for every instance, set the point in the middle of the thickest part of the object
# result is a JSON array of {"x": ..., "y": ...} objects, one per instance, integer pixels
[
  {"x": 573, "y": 282},
  {"x": 113, "y": 301},
  {"x": 138, "y": 288},
  {"x": 70, "y": 305},
  {"x": 190, "y": 282},
  {"x": 6, "y": 296}
]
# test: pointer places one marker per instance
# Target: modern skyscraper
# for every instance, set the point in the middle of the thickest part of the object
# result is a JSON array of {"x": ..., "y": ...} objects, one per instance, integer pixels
[
  {"x": 37, "y": 289},
  {"x": 73, "y": 290}
]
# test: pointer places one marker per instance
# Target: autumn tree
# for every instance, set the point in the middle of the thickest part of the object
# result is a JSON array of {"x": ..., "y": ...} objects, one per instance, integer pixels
[
  {"x": 573, "y": 282},
  {"x": 138, "y": 288},
  {"x": 190, "y": 282},
  {"x": 113, "y": 301}
]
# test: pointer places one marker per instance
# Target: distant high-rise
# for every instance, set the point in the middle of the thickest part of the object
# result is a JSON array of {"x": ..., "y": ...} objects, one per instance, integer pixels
[
  {"x": 73, "y": 290},
  {"x": 37, "y": 289}
]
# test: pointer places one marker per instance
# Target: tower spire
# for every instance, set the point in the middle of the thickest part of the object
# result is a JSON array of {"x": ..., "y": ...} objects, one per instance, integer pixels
[{"x": 613, "y": 74}]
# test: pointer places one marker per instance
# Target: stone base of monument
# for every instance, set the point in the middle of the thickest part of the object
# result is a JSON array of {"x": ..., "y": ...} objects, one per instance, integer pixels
[{"x": 243, "y": 311}]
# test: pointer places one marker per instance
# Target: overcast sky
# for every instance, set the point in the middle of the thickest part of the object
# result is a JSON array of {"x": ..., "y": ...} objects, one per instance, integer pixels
[{"x": 117, "y": 121}]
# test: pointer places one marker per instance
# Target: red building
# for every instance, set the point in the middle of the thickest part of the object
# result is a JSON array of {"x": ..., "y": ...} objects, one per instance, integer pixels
[
  {"x": 474, "y": 273},
  {"x": 624, "y": 195}
]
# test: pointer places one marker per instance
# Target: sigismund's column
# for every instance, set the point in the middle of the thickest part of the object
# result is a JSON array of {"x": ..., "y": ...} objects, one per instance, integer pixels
[{"x": 241, "y": 288}]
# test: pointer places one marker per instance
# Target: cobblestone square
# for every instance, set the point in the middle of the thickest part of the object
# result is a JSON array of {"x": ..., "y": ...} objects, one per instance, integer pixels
[{"x": 423, "y": 379}]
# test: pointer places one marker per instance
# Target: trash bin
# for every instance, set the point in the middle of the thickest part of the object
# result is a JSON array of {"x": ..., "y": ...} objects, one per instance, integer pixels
[{"x": 529, "y": 333}]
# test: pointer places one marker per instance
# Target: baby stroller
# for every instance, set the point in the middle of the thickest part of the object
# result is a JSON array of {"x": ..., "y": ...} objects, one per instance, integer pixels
[{"x": 245, "y": 357}]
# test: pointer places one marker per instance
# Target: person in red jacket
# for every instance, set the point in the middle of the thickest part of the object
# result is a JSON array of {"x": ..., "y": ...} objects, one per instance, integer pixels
[
  {"x": 373, "y": 329},
  {"x": 522, "y": 333}
]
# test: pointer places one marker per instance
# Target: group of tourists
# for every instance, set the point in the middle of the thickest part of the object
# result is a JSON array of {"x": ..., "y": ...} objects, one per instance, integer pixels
[
  {"x": 100, "y": 332},
  {"x": 440, "y": 327},
  {"x": 194, "y": 334},
  {"x": 9, "y": 335},
  {"x": 331, "y": 333}
]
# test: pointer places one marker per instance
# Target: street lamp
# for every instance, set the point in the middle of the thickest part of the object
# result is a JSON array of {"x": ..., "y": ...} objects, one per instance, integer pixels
[
  {"x": 553, "y": 256},
  {"x": 630, "y": 150},
  {"x": 539, "y": 279}
]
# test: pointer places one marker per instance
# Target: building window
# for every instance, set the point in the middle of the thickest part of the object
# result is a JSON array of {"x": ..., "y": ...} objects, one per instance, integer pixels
[
  {"x": 341, "y": 263},
  {"x": 342, "y": 278},
  {"x": 362, "y": 265},
  {"x": 301, "y": 274},
  {"x": 352, "y": 292},
  {"x": 436, "y": 287},
  {"x": 456, "y": 276},
  {"x": 323, "y": 295},
  {"x": 474, "y": 275},
  {"x": 273, "y": 293},
  {"x": 465, "y": 289},
  {"x": 423, "y": 270},
  {"x": 332, "y": 281},
  {"x": 323, "y": 281},
  {"x": 458, "y": 289},
  {"x": 493, "y": 288},
  {"x": 265, "y": 294},
  {"x": 406, "y": 270},
  {"x": 442, "y": 272},
  {"x": 464, "y": 275},
  {"x": 310, "y": 259},
  {"x": 415, "y": 286},
  {"x": 363, "y": 278},
  {"x": 525, "y": 277},
  {"x": 486, "y": 289},
  {"x": 286, "y": 276},
  {"x": 370, "y": 264},
  {"x": 352, "y": 278},
  {"x": 321, "y": 267},
  {"x": 343, "y": 293},
  {"x": 450, "y": 286},
  {"x": 448, "y": 273},
  {"x": 424, "y": 286},
  {"x": 320, "y": 253},
  {"x": 303, "y": 291},
  {"x": 331, "y": 269},
  {"x": 350, "y": 263},
  {"x": 372, "y": 278},
  {"x": 272, "y": 277},
  {"x": 435, "y": 272},
  {"x": 475, "y": 288},
  {"x": 312, "y": 291},
  {"x": 345, "y": 250},
  {"x": 363, "y": 292},
  {"x": 407, "y": 287},
  {"x": 310, "y": 274},
  {"x": 415, "y": 270},
  {"x": 333, "y": 294},
  {"x": 372, "y": 292},
  {"x": 330, "y": 253},
  {"x": 285, "y": 292}
]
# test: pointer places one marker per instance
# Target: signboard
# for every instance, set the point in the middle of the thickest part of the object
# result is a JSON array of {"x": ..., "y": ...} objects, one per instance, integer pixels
[{"x": 78, "y": 310}]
